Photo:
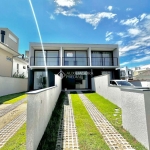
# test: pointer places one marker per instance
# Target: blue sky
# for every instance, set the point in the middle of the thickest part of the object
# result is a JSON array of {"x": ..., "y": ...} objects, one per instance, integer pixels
[{"x": 126, "y": 23}]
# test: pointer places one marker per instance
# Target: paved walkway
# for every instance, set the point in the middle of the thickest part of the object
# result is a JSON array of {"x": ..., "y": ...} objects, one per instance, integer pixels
[
  {"x": 11, "y": 107},
  {"x": 10, "y": 129},
  {"x": 114, "y": 140},
  {"x": 67, "y": 135}
]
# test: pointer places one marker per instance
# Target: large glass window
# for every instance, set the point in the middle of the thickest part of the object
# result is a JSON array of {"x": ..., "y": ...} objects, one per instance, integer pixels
[
  {"x": 101, "y": 58},
  {"x": 69, "y": 59},
  {"x": 39, "y": 80},
  {"x": 81, "y": 58},
  {"x": 52, "y": 58},
  {"x": 39, "y": 59},
  {"x": 96, "y": 58},
  {"x": 107, "y": 58},
  {"x": 75, "y": 58}
]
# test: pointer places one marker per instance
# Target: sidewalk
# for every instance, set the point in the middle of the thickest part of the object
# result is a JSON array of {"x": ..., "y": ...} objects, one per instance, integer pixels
[
  {"x": 114, "y": 140},
  {"x": 11, "y": 107},
  {"x": 67, "y": 135}
]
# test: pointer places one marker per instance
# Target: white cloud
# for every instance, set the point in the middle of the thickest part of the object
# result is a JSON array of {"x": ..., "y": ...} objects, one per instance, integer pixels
[
  {"x": 119, "y": 42},
  {"x": 94, "y": 19},
  {"x": 109, "y": 8},
  {"x": 52, "y": 17},
  {"x": 128, "y": 9},
  {"x": 108, "y": 33},
  {"x": 122, "y": 34},
  {"x": 147, "y": 51},
  {"x": 142, "y": 59},
  {"x": 142, "y": 16},
  {"x": 67, "y": 3},
  {"x": 129, "y": 47},
  {"x": 134, "y": 31},
  {"x": 109, "y": 36},
  {"x": 124, "y": 63},
  {"x": 130, "y": 22},
  {"x": 139, "y": 60}
]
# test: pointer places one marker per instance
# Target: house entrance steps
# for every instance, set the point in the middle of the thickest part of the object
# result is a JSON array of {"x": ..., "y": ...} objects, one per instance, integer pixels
[
  {"x": 112, "y": 137},
  {"x": 67, "y": 138},
  {"x": 10, "y": 129},
  {"x": 11, "y": 107}
]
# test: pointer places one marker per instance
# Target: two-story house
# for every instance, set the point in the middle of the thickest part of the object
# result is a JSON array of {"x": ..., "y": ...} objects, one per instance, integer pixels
[{"x": 75, "y": 63}]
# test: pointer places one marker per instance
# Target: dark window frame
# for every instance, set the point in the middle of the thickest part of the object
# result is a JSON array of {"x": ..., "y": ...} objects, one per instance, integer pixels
[
  {"x": 46, "y": 54},
  {"x": 75, "y": 55}
]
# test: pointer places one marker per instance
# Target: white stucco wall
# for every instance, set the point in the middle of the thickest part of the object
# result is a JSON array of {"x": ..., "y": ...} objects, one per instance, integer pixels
[
  {"x": 135, "y": 105},
  {"x": 134, "y": 114},
  {"x": 10, "y": 85},
  {"x": 21, "y": 63},
  {"x": 100, "y": 84},
  {"x": 40, "y": 105}
]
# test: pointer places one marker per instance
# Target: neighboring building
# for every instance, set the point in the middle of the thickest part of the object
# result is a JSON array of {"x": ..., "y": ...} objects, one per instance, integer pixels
[
  {"x": 9, "y": 53},
  {"x": 20, "y": 67},
  {"x": 142, "y": 74},
  {"x": 75, "y": 63},
  {"x": 126, "y": 74}
]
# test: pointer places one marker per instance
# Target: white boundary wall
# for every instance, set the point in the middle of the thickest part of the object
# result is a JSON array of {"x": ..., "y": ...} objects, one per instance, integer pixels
[
  {"x": 41, "y": 104},
  {"x": 9, "y": 85},
  {"x": 135, "y": 105}
]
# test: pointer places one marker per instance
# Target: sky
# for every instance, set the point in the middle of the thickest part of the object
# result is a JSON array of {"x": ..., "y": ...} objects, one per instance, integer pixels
[{"x": 126, "y": 23}]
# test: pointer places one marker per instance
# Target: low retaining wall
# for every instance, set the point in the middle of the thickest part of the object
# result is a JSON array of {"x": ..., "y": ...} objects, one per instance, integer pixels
[
  {"x": 41, "y": 104},
  {"x": 135, "y": 105},
  {"x": 9, "y": 85}
]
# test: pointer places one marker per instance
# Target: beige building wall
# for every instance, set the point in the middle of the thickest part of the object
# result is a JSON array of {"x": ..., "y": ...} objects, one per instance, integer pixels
[
  {"x": 10, "y": 39},
  {"x": 5, "y": 63}
]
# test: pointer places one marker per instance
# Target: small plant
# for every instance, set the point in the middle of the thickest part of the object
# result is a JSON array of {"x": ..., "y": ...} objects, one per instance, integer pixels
[{"x": 17, "y": 75}]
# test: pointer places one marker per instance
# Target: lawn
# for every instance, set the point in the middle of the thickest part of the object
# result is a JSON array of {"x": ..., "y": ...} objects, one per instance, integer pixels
[
  {"x": 18, "y": 141},
  {"x": 89, "y": 137},
  {"x": 49, "y": 139},
  {"x": 12, "y": 98},
  {"x": 114, "y": 116}
]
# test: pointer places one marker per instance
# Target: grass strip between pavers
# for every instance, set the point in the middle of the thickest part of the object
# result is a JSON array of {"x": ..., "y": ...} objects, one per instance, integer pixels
[
  {"x": 49, "y": 139},
  {"x": 12, "y": 98},
  {"x": 17, "y": 141},
  {"x": 89, "y": 137},
  {"x": 114, "y": 117}
]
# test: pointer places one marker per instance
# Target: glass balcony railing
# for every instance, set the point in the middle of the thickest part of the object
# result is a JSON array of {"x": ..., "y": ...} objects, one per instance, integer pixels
[
  {"x": 75, "y": 61},
  {"x": 39, "y": 61},
  {"x": 104, "y": 61}
]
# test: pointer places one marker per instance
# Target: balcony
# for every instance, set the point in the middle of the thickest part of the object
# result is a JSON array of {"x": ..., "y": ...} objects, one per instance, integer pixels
[
  {"x": 75, "y": 61},
  {"x": 39, "y": 61},
  {"x": 104, "y": 61}
]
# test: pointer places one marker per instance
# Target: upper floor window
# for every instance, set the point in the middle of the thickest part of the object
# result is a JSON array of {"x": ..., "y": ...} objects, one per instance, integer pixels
[
  {"x": 2, "y": 35},
  {"x": 75, "y": 58},
  {"x": 51, "y": 58}
]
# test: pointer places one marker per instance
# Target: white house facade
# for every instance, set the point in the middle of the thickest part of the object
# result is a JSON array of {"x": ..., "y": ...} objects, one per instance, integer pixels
[{"x": 75, "y": 63}]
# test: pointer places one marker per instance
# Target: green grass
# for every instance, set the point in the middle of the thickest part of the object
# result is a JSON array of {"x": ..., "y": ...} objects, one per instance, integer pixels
[
  {"x": 49, "y": 139},
  {"x": 12, "y": 98},
  {"x": 108, "y": 110},
  {"x": 89, "y": 137},
  {"x": 18, "y": 141}
]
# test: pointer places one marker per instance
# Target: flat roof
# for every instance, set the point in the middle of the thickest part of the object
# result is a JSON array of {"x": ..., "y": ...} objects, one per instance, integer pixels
[{"x": 74, "y": 46}]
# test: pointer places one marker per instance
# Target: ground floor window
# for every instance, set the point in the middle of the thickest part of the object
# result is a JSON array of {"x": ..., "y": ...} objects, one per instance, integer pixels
[{"x": 39, "y": 80}]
